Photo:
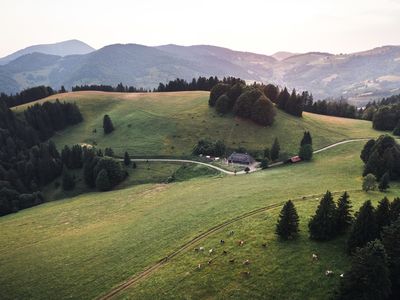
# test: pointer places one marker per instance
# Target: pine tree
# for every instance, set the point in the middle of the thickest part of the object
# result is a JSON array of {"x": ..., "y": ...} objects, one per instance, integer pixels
[
  {"x": 275, "y": 149},
  {"x": 384, "y": 182},
  {"x": 369, "y": 276},
  {"x": 307, "y": 139},
  {"x": 344, "y": 217},
  {"x": 102, "y": 181},
  {"x": 382, "y": 214},
  {"x": 108, "y": 126},
  {"x": 127, "y": 159},
  {"x": 391, "y": 241},
  {"x": 395, "y": 209},
  {"x": 396, "y": 130},
  {"x": 306, "y": 152},
  {"x": 364, "y": 229},
  {"x": 322, "y": 225},
  {"x": 288, "y": 222},
  {"x": 68, "y": 182}
]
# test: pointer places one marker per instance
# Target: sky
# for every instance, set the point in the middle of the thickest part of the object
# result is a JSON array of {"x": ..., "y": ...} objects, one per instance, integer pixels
[{"x": 261, "y": 26}]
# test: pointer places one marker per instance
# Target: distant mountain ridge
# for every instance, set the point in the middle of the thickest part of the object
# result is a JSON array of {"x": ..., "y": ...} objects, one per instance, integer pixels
[
  {"x": 65, "y": 48},
  {"x": 359, "y": 76}
]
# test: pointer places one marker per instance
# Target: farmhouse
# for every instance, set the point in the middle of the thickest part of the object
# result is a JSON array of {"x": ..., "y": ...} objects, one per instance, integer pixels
[{"x": 240, "y": 158}]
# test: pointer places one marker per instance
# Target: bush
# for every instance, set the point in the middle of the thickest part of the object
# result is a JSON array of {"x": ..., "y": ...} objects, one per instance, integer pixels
[
  {"x": 244, "y": 104},
  {"x": 114, "y": 170},
  {"x": 108, "y": 126},
  {"x": 369, "y": 183},
  {"x": 264, "y": 163},
  {"x": 102, "y": 181},
  {"x": 224, "y": 104},
  {"x": 263, "y": 111},
  {"x": 217, "y": 91}
]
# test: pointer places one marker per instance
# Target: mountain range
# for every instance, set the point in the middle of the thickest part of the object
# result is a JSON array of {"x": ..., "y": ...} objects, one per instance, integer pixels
[{"x": 358, "y": 76}]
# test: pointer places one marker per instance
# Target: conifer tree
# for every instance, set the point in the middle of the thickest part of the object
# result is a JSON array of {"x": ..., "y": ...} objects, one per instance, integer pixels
[
  {"x": 275, "y": 149},
  {"x": 288, "y": 222},
  {"x": 108, "y": 126},
  {"x": 369, "y": 276},
  {"x": 344, "y": 217},
  {"x": 306, "y": 152},
  {"x": 307, "y": 139},
  {"x": 382, "y": 214},
  {"x": 68, "y": 182},
  {"x": 391, "y": 241},
  {"x": 395, "y": 209},
  {"x": 364, "y": 229},
  {"x": 322, "y": 225},
  {"x": 384, "y": 182},
  {"x": 127, "y": 159}
]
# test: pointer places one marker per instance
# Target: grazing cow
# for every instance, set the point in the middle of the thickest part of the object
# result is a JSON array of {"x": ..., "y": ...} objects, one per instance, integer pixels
[
  {"x": 201, "y": 248},
  {"x": 241, "y": 243},
  {"x": 328, "y": 273},
  {"x": 264, "y": 245},
  {"x": 196, "y": 249},
  {"x": 314, "y": 257},
  {"x": 341, "y": 275},
  {"x": 210, "y": 261},
  {"x": 246, "y": 273},
  {"x": 246, "y": 262},
  {"x": 224, "y": 252},
  {"x": 210, "y": 251},
  {"x": 222, "y": 241},
  {"x": 199, "y": 266},
  {"x": 231, "y": 232},
  {"x": 232, "y": 260}
]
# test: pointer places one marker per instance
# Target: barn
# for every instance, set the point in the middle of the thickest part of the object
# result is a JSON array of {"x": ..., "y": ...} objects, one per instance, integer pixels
[{"x": 241, "y": 158}]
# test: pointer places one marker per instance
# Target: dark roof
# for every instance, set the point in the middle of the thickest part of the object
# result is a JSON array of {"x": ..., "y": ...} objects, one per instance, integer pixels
[{"x": 241, "y": 158}]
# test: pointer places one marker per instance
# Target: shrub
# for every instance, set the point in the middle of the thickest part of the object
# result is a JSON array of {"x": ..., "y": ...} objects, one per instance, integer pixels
[
  {"x": 369, "y": 183},
  {"x": 217, "y": 91},
  {"x": 263, "y": 111}
]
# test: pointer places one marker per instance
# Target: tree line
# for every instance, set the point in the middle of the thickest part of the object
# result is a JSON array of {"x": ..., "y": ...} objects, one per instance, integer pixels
[
  {"x": 197, "y": 84},
  {"x": 120, "y": 88},
  {"x": 338, "y": 108},
  {"x": 27, "y": 163},
  {"x": 27, "y": 95},
  {"x": 373, "y": 242}
]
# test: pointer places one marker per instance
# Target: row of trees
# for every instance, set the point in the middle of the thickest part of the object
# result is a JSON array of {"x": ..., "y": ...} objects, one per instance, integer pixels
[
  {"x": 26, "y": 164},
  {"x": 381, "y": 156},
  {"x": 199, "y": 84},
  {"x": 49, "y": 117},
  {"x": 373, "y": 242},
  {"x": 292, "y": 103},
  {"x": 27, "y": 95},
  {"x": 206, "y": 147},
  {"x": 338, "y": 108},
  {"x": 120, "y": 88}
]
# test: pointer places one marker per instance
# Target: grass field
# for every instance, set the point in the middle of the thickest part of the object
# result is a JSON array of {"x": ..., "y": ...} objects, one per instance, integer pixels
[
  {"x": 172, "y": 123},
  {"x": 82, "y": 247}
]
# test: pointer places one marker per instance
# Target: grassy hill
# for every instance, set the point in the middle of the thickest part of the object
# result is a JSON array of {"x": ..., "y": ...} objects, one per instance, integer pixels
[
  {"x": 82, "y": 247},
  {"x": 172, "y": 123}
]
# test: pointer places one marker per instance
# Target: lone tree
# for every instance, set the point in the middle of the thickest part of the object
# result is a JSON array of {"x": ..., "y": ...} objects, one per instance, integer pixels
[
  {"x": 369, "y": 276},
  {"x": 391, "y": 241},
  {"x": 382, "y": 214},
  {"x": 364, "y": 229},
  {"x": 107, "y": 124},
  {"x": 384, "y": 182},
  {"x": 369, "y": 182},
  {"x": 306, "y": 152},
  {"x": 307, "y": 139},
  {"x": 288, "y": 222},
  {"x": 322, "y": 225},
  {"x": 275, "y": 150},
  {"x": 127, "y": 159},
  {"x": 343, "y": 213}
]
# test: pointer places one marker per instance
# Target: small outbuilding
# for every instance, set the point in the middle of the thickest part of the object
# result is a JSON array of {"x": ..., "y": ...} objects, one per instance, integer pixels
[
  {"x": 294, "y": 159},
  {"x": 241, "y": 158}
]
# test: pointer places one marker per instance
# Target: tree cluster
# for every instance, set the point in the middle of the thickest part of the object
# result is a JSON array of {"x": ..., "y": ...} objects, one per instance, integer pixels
[
  {"x": 49, "y": 117},
  {"x": 338, "y": 108},
  {"x": 381, "y": 156},
  {"x": 292, "y": 103},
  {"x": 120, "y": 88},
  {"x": 330, "y": 219},
  {"x": 206, "y": 147},
  {"x": 27, "y": 95}
]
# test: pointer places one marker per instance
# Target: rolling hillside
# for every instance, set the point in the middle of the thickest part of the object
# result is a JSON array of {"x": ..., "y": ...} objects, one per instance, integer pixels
[
  {"x": 358, "y": 76},
  {"x": 84, "y": 246},
  {"x": 170, "y": 124}
]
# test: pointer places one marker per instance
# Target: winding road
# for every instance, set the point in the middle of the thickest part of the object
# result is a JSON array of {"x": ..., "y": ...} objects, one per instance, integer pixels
[
  {"x": 253, "y": 168},
  {"x": 153, "y": 268}
]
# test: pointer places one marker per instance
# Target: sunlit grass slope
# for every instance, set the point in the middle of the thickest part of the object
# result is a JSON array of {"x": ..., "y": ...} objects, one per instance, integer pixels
[{"x": 172, "y": 123}]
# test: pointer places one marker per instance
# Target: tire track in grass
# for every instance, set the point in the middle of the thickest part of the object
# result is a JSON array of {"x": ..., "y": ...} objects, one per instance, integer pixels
[{"x": 156, "y": 266}]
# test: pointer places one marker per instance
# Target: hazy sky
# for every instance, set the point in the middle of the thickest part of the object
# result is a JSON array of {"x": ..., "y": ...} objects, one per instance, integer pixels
[{"x": 261, "y": 26}]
